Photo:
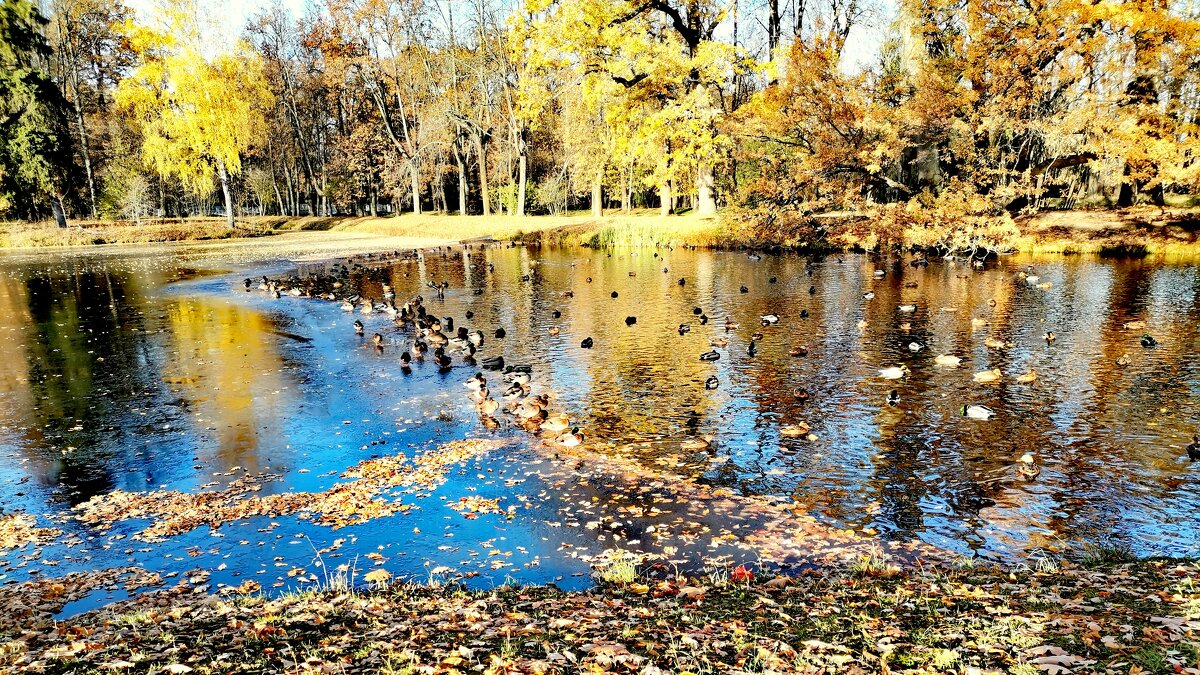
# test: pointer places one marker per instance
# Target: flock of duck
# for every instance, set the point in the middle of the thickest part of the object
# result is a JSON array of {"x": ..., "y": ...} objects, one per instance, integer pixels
[{"x": 438, "y": 338}]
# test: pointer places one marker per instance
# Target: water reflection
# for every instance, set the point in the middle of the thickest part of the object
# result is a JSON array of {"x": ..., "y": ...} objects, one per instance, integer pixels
[{"x": 121, "y": 375}]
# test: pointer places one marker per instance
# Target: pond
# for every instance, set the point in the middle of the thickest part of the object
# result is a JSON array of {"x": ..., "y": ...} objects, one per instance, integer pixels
[{"x": 157, "y": 370}]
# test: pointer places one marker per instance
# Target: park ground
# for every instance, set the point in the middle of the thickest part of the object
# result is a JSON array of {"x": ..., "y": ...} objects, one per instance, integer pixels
[
  {"x": 1139, "y": 231},
  {"x": 1105, "y": 614}
]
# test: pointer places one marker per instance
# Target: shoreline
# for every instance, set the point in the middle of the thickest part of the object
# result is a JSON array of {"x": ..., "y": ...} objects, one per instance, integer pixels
[{"x": 1134, "y": 233}]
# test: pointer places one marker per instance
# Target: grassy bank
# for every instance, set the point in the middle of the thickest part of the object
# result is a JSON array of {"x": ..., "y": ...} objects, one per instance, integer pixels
[
  {"x": 1142, "y": 231},
  {"x": 1131, "y": 618},
  {"x": 89, "y": 233}
]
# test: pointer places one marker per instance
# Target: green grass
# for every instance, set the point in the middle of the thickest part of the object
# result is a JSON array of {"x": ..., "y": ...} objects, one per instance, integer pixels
[{"x": 92, "y": 233}]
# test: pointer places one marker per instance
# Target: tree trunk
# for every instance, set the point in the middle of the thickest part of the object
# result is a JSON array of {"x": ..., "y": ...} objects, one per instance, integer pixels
[
  {"x": 60, "y": 214},
  {"x": 598, "y": 194},
  {"x": 224, "y": 175},
  {"x": 483, "y": 180},
  {"x": 706, "y": 198},
  {"x": 664, "y": 194},
  {"x": 415, "y": 174},
  {"x": 462, "y": 187},
  {"x": 521, "y": 175}
]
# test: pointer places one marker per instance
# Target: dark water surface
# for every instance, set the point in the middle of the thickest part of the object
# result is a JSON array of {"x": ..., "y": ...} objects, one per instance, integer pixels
[{"x": 159, "y": 371}]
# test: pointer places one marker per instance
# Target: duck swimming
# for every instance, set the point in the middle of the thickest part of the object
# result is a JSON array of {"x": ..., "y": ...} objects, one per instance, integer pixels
[
  {"x": 1124, "y": 360},
  {"x": 894, "y": 372},
  {"x": 1148, "y": 341},
  {"x": 947, "y": 360},
  {"x": 1193, "y": 449},
  {"x": 798, "y": 351},
  {"x": 768, "y": 319},
  {"x": 571, "y": 438},
  {"x": 586, "y": 343},
  {"x": 1027, "y": 468},
  {"x": 800, "y": 394},
  {"x": 712, "y": 383},
  {"x": 978, "y": 412},
  {"x": 907, "y": 309},
  {"x": 893, "y": 397},
  {"x": 713, "y": 355},
  {"x": 992, "y": 375},
  {"x": 1027, "y": 377}
]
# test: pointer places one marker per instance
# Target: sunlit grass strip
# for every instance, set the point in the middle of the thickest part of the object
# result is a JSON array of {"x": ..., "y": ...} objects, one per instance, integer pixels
[{"x": 41, "y": 235}]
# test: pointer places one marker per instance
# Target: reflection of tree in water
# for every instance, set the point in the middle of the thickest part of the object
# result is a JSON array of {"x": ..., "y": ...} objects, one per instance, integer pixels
[{"x": 89, "y": 363}]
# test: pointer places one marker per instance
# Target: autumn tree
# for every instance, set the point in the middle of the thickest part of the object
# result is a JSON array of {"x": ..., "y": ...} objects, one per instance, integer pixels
[{"x": 199, "y": 112}]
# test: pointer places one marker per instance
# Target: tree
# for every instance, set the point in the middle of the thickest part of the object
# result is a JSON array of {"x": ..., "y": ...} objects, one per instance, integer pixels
[
  {"x": 199, "y": 112},
  {"x": 35, "y": 151}
]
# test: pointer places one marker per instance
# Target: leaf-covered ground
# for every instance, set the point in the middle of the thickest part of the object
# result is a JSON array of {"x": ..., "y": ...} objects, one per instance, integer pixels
[{"x": 1136, "y": 618}]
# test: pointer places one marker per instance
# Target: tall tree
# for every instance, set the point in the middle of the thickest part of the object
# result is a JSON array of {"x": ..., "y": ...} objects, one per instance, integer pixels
[
  {"x": 199, "y": 112},
  {"x": 35, "y": 151}
]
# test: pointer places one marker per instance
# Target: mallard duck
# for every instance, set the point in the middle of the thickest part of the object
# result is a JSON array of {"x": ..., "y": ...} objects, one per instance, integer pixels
[
  {"x": 769, "y": 319},
  {"x": 1134, "y": 325},
  {"x": 614, "y": 295},
  {"x": 1049, "y": 337},
  {"x": 861, "y": 325},
  {"x": 630, "y": 320},
  {"x": 571, "y": 438},
  {"x": 1193, "y": 449},
  {"x": 894, "y": 372},
  {"x": 475, "y": 382},
  {"x": 915, "y": 346},
  {"x": 719, "y": 342},
  {"x": 475, "y": 337},
  {"x": 730, "y": 324},
  {"x": 493, "y": 363},
  {"x": 801, "y": 394},
  {"x": 377, "y": 340},
  {"x": 893, "y": 397},
  {"x": 906, "y": 309},
  {"x": 992, "y": 375},
  {"x": 752, "y": 350},
  {"x": 978, "y": 412},
  {"x": 586, "y": 343},
  {"x": 488, "y": 406},
  {"x": 358, "y": 327},
  {"x": 743, "y": 289},
  {"x": 713, "y": 355},
  {"x": 1027, "y": 467},
  {"x": 712, "y": 382},
  {"x": 684, "y": 328},
  {"x": 869, "y": 295},
  {"x": 993, "y": 343},
  {"x": 879, "y": 274},
  {"x": 798, "y": 351},
  {"x": 515, "y": 392},
  {"x": 905, "y": 326},
  {"x": 490, "y": 422},
  {"x": 946, "y": 360},
  {"x": 1027, "y": 377},
  {"x": 978, "y": 323},
  {"x": 500, "y": 333},
  {"x": 795, "y": 430},
  {"x": 1124, "y": 360},
  {"x": 1148, "y": 341}
]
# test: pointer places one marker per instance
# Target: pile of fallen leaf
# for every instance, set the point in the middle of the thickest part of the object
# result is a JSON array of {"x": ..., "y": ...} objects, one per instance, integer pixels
[
  {"x": 172, "y": 513},
  {"x": 20, "y": 529},
  {"x": 1137, "y": 618}
]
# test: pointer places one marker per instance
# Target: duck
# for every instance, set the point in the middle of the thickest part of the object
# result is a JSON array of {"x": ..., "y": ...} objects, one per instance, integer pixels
[
  {"x": 1193, "y": 449},
  {"x": 752, "y": 350},
  {"x": 1134, "y": 325},
  {"x": 712, "y": 355},
  {"x": 570, "y": 438},
  {"x": 907, "y": 309},
  {"x": 869, "y": 295},
  {"x": 992, "y": 375},
  {"x": 719, "y": 342},
  {"x": 520, "y": 378},
  {"x": 915, "y": 346},
  {"x": 712, "y": 383},
  {"x": 1027, "y": 377},
  {"x": 743, "y": 289},
  {"x": 488, "y": 406},
  {"x": 1124, "y": 360},
  {"x": 1049, "y": 337},
  {"x": 358, "y": 327},
  {"x": 801, "y": 394},
  {"x": 894, "y": 372},
  {"x": 798, "y": 351},
  {"x": 1027, "y": 467},
  {"x": 347, "y": 306},
  {"x": 978, "y": 412},
  {"x": 947, "y": 360},
  {"x": 684, "y": 328},
  {"x": 475, "y": 382},
  {"x": 377, "y": 340},
  {"x": 586, "y": 343},
  {"x": 493, "y": 363},
  {"x": 1148, "y": 341},
  {"x": 905, "y": 326},
  {"x": 516, "y": 392},
  {"x": 500, "y": 333},
  {"x": 769, "y": 319},
  {"x": 556, "y": 423},
  {"x": 978, "y": 323},
  {"x": 479, "y": 395},
  {"x": 993, "y": 343},
  {"x": 795, "y": 430},
  {"x": 893, "y": 397},
  {"x": 418, "y": 349},
  {"x": 614, "y": 295},
  {"x": 630, "y": 320},
  {"x": 730, "y": 324}
]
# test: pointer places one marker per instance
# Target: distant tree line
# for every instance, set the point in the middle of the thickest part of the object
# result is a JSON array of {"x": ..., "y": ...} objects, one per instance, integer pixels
[{"x": 965, "y": 108}]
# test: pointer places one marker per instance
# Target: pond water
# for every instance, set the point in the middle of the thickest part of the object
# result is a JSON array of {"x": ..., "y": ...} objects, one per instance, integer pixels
[{"x": 158, "y": 370}]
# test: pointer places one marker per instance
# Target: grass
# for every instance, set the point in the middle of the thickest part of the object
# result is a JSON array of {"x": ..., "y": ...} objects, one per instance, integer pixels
[{"x": 91, "y": 233}]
